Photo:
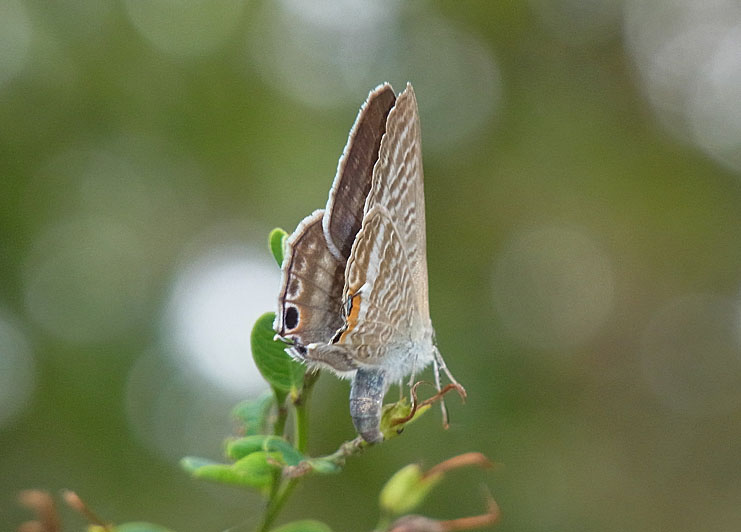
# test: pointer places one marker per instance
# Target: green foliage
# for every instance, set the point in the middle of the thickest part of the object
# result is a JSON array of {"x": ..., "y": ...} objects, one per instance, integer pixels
[
  {"x": 270, "y": 458},
  {"x": 239, "y": 448},
  {"x": 394, "y": 412},
  {"x": 277, "y": 243},
  {"x": 255, "y": 470},
  {"x": 323, "y": 465},
  {"x": 284, "y": 374},
  {"x": 253, "y": 416}
]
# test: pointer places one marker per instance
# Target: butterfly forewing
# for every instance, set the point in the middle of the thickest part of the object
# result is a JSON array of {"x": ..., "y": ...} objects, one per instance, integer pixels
[{"x": 344, "y": 212}]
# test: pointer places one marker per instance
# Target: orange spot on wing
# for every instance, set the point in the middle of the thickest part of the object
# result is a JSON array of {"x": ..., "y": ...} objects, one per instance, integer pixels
[{"x": 352, "y": 319}]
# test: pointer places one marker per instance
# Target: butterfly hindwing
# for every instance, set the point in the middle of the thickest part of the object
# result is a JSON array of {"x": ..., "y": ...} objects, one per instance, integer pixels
[
  {"x": 398, "y": 186},
  {"x": 310, "y": 300},
  {"x": 378, "y": 287}
]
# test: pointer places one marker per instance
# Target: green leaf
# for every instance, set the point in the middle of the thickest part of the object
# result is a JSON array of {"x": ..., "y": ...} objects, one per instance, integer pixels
[
  {"x": 254, "y": 414},
  {"x": 140, "y": 527},
  {"x": 407, "y": 489},
  {"x": 192, "y": 463},
  {"x": 279, "y": 369},
  {"x": 307, "y": 525},
  {"x": 254, "y": 470},
  {"x": 239, "y": 448},
  {"x": 277, "y": 243}
]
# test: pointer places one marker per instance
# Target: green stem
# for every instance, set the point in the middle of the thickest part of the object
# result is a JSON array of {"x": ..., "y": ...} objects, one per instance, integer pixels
[
  {"x": 301, "y": 412},
  {"x": 281, "y": 489},
  {"x": 278, "y": 429},
  {"x": 280, "y": 421},
  {"x": 347, "y": 449},
  {"x": 301, "y": 424},
  {"x": 276, "y": 504}
]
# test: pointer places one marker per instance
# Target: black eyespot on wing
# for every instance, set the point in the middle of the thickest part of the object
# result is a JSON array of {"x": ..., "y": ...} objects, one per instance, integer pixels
[{"x": 291, "y": 319}]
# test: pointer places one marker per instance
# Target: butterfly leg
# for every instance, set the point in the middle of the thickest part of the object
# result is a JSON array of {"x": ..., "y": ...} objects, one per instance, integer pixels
[
  {"x": 436, "y": 369},
  {"x": 438, "y": 364},
  {"x": 441, "y": 363},
  {"x": 366, "y": 400}
]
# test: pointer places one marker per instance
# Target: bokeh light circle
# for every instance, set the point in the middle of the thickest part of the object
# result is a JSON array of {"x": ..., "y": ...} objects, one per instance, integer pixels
[
  {"x": 455, "y": 76},
  {"x": 322, "y": 53},
  {"x": 553, "y": 287},
  {"x": 687, "y": 55},
  {"x": 714, "y": 110},
  {"x": 691, "y": 355},
  {"x": 16, "y": 33},
  {"x": 330, "y": 57},
  {"x": 185, "y": 29},
  {"x": 173, "y": 411},
  {"x": 86, "y": 280},
  {"x": 17, "y": 370},
  {"x": 215, "y": 299}
]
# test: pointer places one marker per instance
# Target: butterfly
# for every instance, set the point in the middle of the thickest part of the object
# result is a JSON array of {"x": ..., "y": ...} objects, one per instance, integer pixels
[{"x": 354, "y": 292}]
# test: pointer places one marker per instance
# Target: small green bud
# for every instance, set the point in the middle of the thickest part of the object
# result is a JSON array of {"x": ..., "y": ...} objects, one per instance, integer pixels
[{"x": 407, "y": 489}]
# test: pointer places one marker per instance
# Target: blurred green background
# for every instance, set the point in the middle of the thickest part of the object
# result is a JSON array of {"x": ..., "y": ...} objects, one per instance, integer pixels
[{"x": 583, "y": 181}]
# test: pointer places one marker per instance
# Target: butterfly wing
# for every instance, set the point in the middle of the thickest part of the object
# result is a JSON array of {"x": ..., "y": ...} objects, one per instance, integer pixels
[
  {"x": 309, "y": 303},
  {"x": 381, "y": 306},
  {"x": 389, "y": 254},
  {"x": 344, "y": 212},
  {"x": 385, "y": 292},
  {"x": 310, "y": 299},
  {"x": 398, "y": 186},
  {"x": 387, "y": 332}
]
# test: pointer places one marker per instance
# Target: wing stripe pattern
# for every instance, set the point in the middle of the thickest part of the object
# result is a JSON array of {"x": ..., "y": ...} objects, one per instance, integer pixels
[
  {"x": 398, "y": 185},
  {"x": 378, "y": 275}
]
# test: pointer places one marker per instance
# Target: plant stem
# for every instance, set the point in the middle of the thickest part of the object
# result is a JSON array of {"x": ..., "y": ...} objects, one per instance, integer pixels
[
  {"x": 278, "y": 429},
  {"x": 347, "y": 449},
  {"x": 301, "y": 413},
  {"x": 280, "y": 421},
  {"x": 301, "y": 421},
  {"x": 275, "y": 504},
  {"x": 282, "y": 489}
]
